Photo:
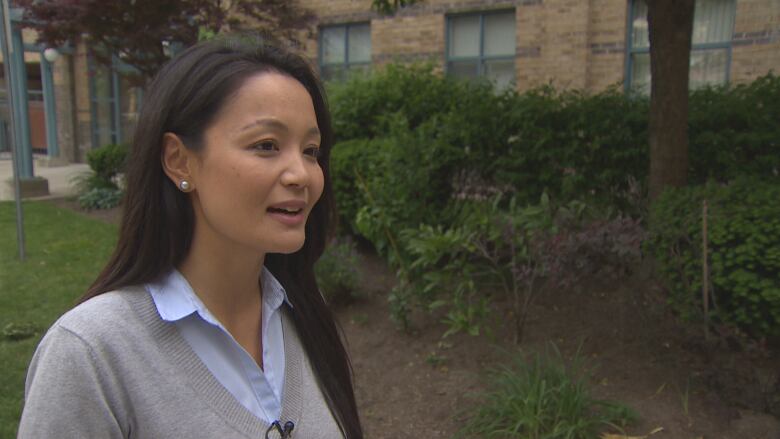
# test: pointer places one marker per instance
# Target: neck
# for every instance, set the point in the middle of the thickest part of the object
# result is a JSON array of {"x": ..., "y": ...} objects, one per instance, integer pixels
[{"x": 227, "y": 281}]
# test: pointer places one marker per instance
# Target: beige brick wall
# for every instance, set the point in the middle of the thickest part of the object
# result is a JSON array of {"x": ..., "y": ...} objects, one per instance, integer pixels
[
  {"x": 607, "y": 38},
  {"x": 409, "y": 38},
  {"x": 569, "y": 43},
  {"x": 756, "y": 43},
  {"x": 553, "y": 40}
]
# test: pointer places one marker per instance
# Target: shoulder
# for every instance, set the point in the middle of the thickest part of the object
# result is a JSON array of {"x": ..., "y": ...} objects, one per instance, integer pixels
[
  {"x": 105, "y": 329},
  {"x": 110, "y": 315}
]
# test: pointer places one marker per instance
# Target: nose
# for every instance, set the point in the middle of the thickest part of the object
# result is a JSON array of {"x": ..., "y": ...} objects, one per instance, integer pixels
[{"x": 295, "y": 173}]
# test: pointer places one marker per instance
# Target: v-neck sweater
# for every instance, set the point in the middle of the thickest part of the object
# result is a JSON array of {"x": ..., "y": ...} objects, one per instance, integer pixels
[{"x": 112, "y": 368}]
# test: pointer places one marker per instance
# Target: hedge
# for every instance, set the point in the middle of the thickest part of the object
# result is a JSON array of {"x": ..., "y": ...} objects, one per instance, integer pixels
[{"x": 744, "y": 251}]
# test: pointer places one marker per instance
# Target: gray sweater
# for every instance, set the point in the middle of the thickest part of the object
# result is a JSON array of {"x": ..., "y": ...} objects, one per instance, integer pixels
[{"x": 111, "y": 368}]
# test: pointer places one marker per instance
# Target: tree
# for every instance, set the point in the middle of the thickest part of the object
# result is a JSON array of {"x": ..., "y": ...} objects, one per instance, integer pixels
[
  {"x": 389, "y": 7},
  {"x": 670, "y": 25},
  {"x": 139, "y": 32}
]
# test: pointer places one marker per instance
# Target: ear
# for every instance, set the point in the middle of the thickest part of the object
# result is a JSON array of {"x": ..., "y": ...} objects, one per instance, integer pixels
[{"x": 177, "y": 160}]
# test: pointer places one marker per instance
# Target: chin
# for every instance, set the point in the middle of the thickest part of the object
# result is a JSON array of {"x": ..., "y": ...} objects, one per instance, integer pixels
[{"x": 289, "y": 247}]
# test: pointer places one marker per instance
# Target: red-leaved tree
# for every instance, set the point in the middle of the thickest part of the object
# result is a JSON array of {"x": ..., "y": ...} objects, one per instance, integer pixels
[{"x": 138, "y": 31}]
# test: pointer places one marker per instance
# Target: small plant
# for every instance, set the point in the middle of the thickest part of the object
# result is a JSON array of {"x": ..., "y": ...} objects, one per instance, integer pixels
[
  {"x": 337, "y": 273},
  {"x": 100, "y": 188},
  {"x": 107, "y": 163},
  {"x": 359, "y": 319},
  {"x": 513, "y": 250},
  {"x": 543, "y": 398},
  {"x": 685, "y": 396},
  {"x": 15, "y": 331},
  {"x": 100, "y": 198},
  {"x": 435, "y": 360}
]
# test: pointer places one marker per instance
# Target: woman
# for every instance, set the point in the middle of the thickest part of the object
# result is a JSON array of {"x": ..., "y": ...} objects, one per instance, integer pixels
[{"x": 207, "y": 322}]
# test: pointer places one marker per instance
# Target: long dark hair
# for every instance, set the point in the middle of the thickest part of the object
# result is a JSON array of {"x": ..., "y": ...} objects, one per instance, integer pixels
[{"x": 157, "y": 225}]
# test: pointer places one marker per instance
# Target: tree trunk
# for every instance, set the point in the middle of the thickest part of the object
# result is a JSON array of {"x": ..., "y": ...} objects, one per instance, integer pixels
[{"x": 670, "y": 25}]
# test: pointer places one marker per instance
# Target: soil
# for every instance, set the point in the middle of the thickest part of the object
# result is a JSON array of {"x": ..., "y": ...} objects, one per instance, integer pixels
[{"x": 417, "y": 384}]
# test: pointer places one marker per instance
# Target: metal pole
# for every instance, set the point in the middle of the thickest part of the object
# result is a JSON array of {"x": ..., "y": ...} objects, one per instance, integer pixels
[
  {"x": 7, "y": 48},
  {"x": 705, "y": 275}
]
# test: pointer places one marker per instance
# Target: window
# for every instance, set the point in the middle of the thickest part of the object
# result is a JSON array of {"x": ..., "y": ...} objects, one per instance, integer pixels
[
  {"x": 713, "y": 25},
  {"x": 114, "y": 103},
  {"x": 344, "y": 48},
  {"x": 482, "y": 45}
]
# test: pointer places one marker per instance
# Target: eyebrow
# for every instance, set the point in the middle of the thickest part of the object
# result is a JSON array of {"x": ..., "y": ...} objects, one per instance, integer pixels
[{"x": 276, "y": 124}]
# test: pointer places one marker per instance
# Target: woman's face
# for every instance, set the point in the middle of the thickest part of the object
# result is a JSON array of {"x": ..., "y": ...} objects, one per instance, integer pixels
[{"x": 257, "y": 177}]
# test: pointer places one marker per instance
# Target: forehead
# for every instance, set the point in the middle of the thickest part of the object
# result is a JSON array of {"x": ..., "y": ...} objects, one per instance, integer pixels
[{"x": 269, "y": 95}]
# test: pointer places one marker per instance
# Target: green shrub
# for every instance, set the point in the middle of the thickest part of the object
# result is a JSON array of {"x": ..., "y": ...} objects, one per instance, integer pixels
[
  {"x": 403, "y": 179},
  {"x": 337, "y": 273},
  {"x": 734, "y": 131},
  {"x": 351, "y": 160},
  {"x": 106, "y": 163},
  {"x": 744, "y": 250},
  {"x": 100, "y": 198},
  {"x": 414, "y": 142},
  {"x": 360, "y": 105},
  {"x": 574, "y": 145},
  {"x": 435, "y": 130},
  {"x": 543, "y": 398}
]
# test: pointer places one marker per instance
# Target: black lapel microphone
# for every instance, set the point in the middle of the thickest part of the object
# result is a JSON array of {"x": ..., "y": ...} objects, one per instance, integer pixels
[{"x": 285, "y": 432}]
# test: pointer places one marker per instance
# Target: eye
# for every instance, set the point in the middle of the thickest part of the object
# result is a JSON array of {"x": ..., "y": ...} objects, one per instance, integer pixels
[
  {"x": 265, "y": 146},
  {"x": 312, "y": 151}
]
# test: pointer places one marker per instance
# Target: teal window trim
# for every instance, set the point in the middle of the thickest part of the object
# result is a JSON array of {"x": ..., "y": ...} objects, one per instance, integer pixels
[
  {"x": 631, "y": 50},
  {"x": 117, "y": 95},
  {"x": 346, "y": 64},
  {"x": 50, "y": 110},
  {"x": 481, "y": 58}
]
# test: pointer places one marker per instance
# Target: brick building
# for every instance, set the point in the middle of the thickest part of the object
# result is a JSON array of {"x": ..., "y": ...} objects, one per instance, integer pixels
[
  {"x": 583, "y": 44},
  {"x": 574, "y": 44}
]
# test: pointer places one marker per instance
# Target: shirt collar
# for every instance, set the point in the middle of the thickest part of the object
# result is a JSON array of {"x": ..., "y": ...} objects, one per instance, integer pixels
[{"x": 174, "y": 298}]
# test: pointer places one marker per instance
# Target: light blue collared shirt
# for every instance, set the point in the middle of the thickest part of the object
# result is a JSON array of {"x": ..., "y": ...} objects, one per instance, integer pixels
[{"x": 259, "y": 390}]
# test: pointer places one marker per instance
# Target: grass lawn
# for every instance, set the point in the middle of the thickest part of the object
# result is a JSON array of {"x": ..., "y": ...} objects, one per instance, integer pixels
[{"x": 65, "y": 251}]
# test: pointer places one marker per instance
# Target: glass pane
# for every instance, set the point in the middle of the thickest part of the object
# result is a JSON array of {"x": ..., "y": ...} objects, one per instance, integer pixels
[
  {"x": 500, "y": 34},
  {"x": 639, "y": 34},
  {"x": 713, "y": 21},
  {"x": 333, "y": 42},
  {"x": 464, "y": 36},
  {"x": 103, "y": 102},
  {"x": 501, "y": 73},
  {"x": 360, "y": 43},
  {"x": 708, "y": 67},
  {"x": 463, "y": 69},
  {"x": 129, "y": 100},
  {"x": 640, "y": 73}
]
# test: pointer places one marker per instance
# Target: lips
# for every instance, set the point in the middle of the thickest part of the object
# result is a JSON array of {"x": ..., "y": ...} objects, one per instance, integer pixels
[
  {"x": 288, "y": 212},
  {"x": 291, "y": 207},
  {"x": 284, "y": 211}
]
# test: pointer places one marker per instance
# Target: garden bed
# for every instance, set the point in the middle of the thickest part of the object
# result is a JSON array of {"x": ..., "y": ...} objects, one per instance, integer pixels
[{"x": 418, "y": 383}]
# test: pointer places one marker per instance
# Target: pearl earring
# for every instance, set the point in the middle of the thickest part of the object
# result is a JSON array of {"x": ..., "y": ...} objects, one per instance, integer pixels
[{"x": 184, "y": 185}]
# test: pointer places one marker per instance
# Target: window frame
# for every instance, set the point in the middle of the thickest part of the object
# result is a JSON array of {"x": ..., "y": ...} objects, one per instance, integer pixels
[
  {"x": 346, "y": 64},
  {"x": 481, "y": 58},
  {"x": 631, "y": 50},
  {"x": 116, "y": 72},
  {"x": 115, "y": 129}
]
